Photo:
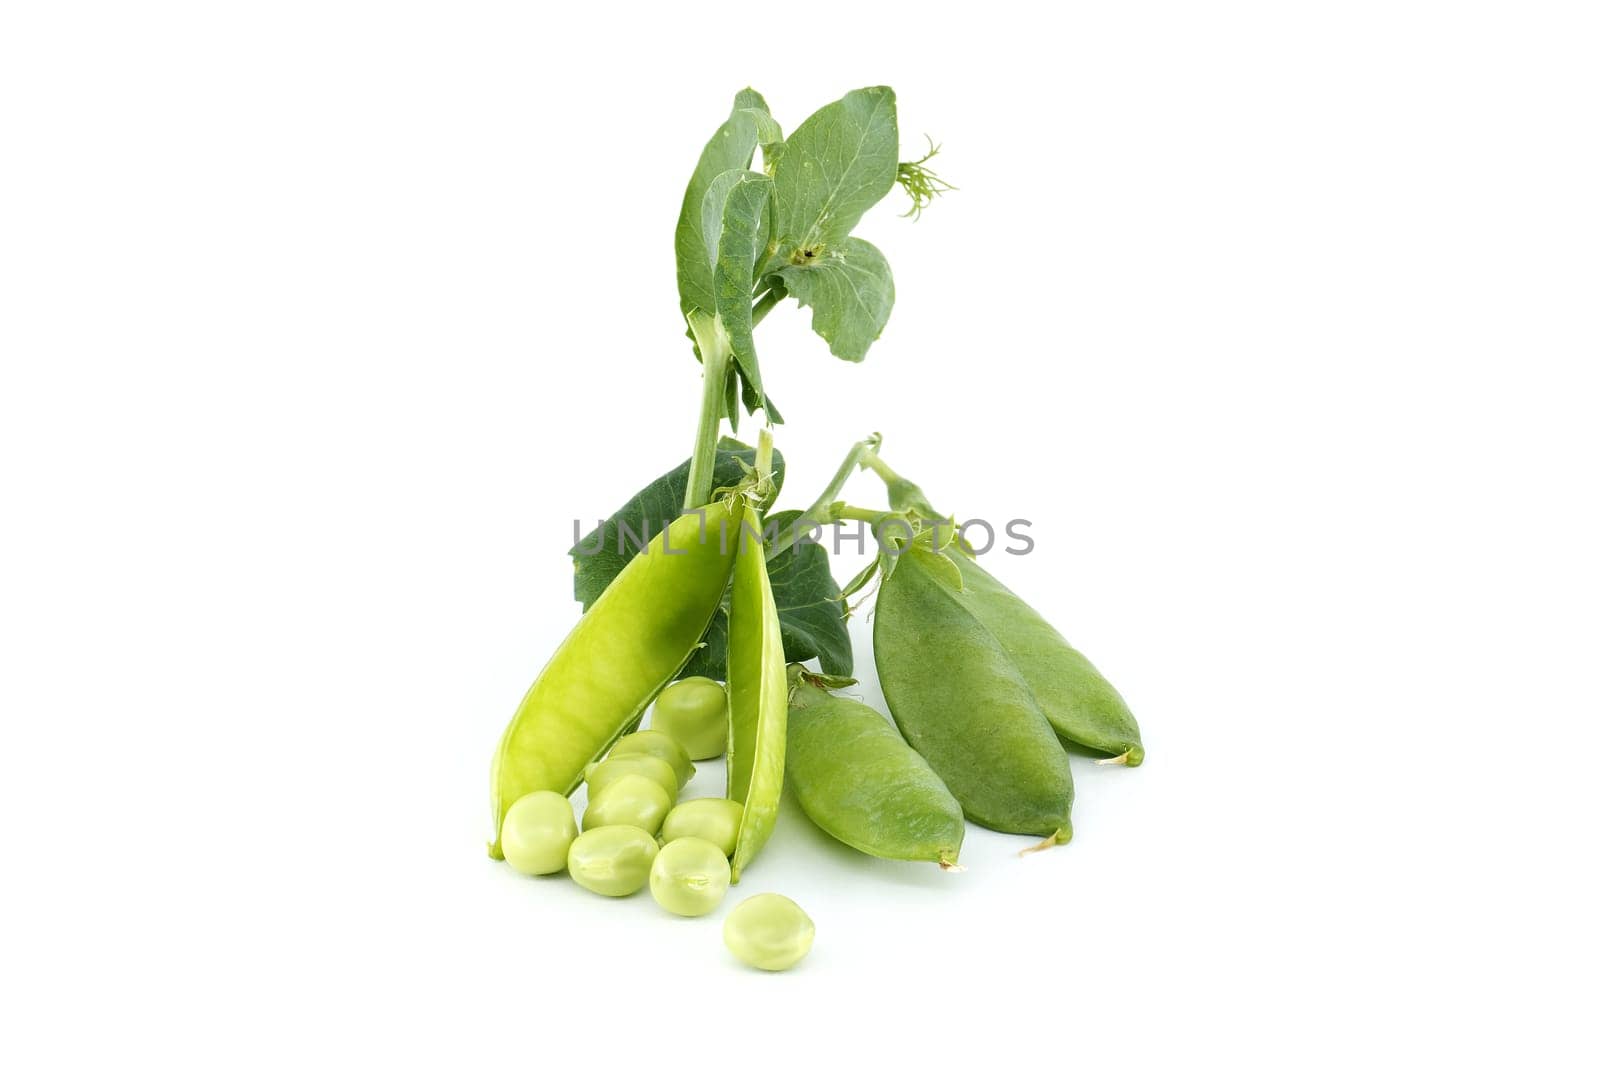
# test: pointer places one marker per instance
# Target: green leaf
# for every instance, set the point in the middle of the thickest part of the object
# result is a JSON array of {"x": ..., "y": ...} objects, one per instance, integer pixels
[
  {"x": 811, "y": 610},
  {"x": 850, "y": 290},
  {"x": 738, "y": 223},
  {"x": 730, "y": 148},
  {"x": 835, "y": 166},
  {"x": 600, "y": 556}
]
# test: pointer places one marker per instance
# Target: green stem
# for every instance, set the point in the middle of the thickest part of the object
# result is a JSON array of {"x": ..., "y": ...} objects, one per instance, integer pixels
[
  {"x": 764, "y": 455},
  {"x": 818, "y": 511},
  {"x": 769, "y": 300},
  {"x": 845, "y": 512},
  {"x": 715, "y": 357},
  {"x": 903, "y": 494}
]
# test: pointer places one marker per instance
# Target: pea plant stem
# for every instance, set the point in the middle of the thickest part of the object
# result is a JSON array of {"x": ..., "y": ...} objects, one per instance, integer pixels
[
  {"x": 715, "y": 355},
  {"x": 764, "y": 456},
  {"x": 716, "y": 358},
  {"x": 770, "y": 299},
  {"x": 818, "y": 512},
  {"x": 903, "y": 494}
]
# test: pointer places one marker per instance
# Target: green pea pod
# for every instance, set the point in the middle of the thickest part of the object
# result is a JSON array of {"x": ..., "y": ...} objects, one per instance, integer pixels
[
  {"x": 859, "y": 781},
  {"x": 960, "y": 701},
  {"x": 1080, "y": 704},
  {"x": 629, "y": 644},
  {"x": 757, "y": 696}
]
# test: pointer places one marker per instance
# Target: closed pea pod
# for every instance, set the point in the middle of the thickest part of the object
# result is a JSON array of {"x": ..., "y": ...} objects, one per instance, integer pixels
[
  {"x": 714, "y": 820},
  {"x": 960, "y": 701},
  {"x": 600, "y": 775},
  {"x": 656, "y": 744},
  {"x": 757, "y": 697},
  {"x": 630, "y": 800},
  {"x": 859, "y": 781},
  {"x": 1080, "y": 704},
  {"x": 629, "y": 644},
  {"x": 614, "y": 860}
]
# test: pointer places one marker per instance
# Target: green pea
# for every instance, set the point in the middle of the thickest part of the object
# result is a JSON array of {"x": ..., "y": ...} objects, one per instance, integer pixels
[
  {"x": 1080, "y": 704},
  {"x": 537, "y": 831},
  {"x": 631, "y": 642},
  {"x": 657, "y": 744},
  {"x": 694, "y": 711},
  {"x": 856, "y": 778},
  {"x": 612, "y": 860},
  {"x": 960, "y": 701},
  {"x": 769, "y": 932},
  {"x": 601, "y": 774},
  {"x": 629, "y": 800},
  {"x": 758, "y": 697},
  {"x": 714, "y": 820},
  {"x": 689, "y": 877}
]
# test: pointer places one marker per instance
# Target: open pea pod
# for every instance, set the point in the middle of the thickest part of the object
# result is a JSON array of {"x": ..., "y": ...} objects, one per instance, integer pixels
[
  {"x": 757, "y": 696},
  {"x": 624, "y": 650}
]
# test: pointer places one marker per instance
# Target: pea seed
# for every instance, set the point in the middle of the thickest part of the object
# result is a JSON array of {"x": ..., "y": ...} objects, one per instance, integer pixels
[
  {"x": 657, "y": 745},
  {"x": 613, "y": 860},
  {"x": 629, "y": 800},
  {"x": 694, "y": 711},
  {"x": 537, "y": 831},
  {"x": 689, "y": 877},
  {"x": 714, "y": 820},
  {"x": 768, "y": 931},
  {"x": 601, "y": 774}
]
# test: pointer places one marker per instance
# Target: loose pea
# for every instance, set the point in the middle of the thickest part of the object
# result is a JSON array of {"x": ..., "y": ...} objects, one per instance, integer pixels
[
  {"x": 657, "y": 744},
  {"x": 694, "y": 711},
  {"x": 612, "y": 860},
  {"x": 768, "y": 931},
  {"x": 689, "y": 877},
  {"x": 601, "y": 774},
  {"x": 629, "y": 800},
  {"x": 714, "y": 820},
  {"x": 537, "y": 831}
]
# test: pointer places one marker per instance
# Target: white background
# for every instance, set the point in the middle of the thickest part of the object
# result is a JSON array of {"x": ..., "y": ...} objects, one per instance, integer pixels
[{"x": 321, "y": 322}]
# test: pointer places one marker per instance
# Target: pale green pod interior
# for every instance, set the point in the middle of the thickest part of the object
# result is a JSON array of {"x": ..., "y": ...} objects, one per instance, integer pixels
[{"x": 629, "y": 644}]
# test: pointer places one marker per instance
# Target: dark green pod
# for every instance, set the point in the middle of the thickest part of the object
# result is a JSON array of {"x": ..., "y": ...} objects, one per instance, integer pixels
[
  {"x": 856, "y": 778},
  {"x": 1080, "y": 704},
  {"x": 960, "y": 701}
]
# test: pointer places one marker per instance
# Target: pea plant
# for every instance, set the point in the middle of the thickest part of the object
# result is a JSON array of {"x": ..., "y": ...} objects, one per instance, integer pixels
[{"x": 716, "y": 617}]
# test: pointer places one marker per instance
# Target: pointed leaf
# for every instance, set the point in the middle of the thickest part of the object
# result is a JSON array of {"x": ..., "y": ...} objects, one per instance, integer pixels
[
  {"x": 730, "y": 148},
  {"x": 740, "y": 234},
  {"x": 835, "y": 166}
]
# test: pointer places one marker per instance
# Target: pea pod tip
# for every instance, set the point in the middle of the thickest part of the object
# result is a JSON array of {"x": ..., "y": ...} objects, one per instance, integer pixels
[
  {"x": 1060, "y": 836},
  {"x": 1131, "y": 757}
]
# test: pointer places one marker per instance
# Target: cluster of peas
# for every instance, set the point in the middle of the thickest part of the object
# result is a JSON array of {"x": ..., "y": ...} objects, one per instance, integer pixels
[{"x": 635, "y": 832}]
